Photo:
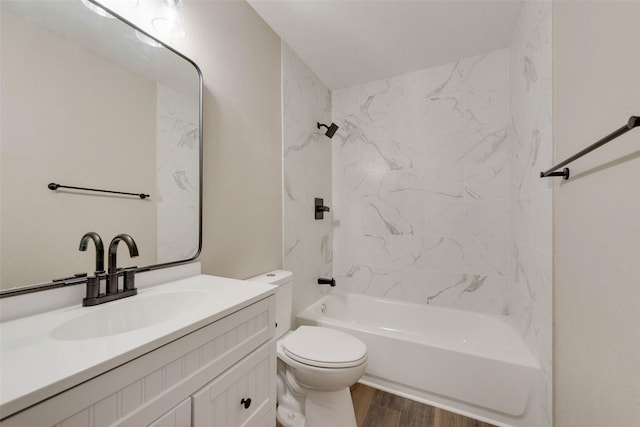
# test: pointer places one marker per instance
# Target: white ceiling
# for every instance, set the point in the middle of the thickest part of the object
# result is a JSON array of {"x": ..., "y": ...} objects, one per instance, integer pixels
[{"x": 347, "y": 42}]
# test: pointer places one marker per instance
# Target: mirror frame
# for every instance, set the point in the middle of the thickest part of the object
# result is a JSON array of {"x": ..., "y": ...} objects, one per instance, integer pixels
[{"x": 21, "y": 290}]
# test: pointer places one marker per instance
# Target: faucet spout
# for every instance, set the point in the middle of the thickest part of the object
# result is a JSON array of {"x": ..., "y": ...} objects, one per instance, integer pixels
[
  {"x": 112, "y": 275},
  {"x": 97, "y": 241}
]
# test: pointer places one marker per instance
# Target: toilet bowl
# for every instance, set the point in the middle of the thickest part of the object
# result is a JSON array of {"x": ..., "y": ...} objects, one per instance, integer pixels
[{"x": 316, "y": 366}]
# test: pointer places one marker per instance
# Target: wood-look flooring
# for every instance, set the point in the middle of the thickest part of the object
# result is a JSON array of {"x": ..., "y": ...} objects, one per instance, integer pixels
[{"x": 376, "y": 408}]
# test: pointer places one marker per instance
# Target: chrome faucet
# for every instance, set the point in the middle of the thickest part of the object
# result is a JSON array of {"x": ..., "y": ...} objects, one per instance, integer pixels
[
  {"x": 112, "y": 272},
  {"x": 97, "y": 241}
]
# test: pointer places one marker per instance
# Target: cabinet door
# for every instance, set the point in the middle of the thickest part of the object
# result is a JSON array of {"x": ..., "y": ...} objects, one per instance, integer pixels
[
  {"x": 225, "y": 401},
  {"x": 269, "y": 420},
  {"x": 180, "y": 416}
]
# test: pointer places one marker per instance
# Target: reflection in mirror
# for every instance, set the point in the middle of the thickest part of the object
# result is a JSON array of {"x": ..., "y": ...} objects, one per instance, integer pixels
[{"x": 86, "y": 103}]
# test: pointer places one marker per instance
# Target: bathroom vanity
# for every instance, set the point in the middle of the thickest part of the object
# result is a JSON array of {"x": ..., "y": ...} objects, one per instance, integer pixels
[{"x": 193, "y": 352}]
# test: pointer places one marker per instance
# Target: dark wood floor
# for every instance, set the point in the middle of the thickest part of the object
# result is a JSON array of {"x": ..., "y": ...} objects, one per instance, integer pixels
[{"x": 376, "y": 408}]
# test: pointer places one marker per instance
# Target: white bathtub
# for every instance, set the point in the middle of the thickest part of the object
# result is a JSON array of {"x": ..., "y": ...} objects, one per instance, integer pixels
[{"x": 470, "y": 363}]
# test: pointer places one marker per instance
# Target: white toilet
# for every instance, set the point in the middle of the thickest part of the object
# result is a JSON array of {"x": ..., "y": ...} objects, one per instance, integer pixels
[{"x": 316, "y": 366}]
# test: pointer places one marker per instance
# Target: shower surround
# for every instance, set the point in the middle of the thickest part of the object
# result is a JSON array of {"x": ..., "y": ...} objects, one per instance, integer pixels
[
  {"x": 435, "y": 196},
  {"x": 421, "y": 185},
  {"x": 531, "y": 151},
  {"x": 308, "y": 250},
  {"x": 178, "y": 149}
]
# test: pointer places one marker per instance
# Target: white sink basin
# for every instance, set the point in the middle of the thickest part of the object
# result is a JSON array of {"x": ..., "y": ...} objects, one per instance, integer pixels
[
  {"x": 47, "y": 353},
  {"x": 129, "y": 314}
]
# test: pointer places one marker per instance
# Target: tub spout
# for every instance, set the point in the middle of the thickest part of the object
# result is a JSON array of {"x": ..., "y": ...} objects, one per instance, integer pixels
[{"x": 331, "y": 282}]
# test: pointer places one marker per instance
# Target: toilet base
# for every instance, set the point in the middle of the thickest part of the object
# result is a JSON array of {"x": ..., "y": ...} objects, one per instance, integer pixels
[
  {"x": 330, "y": 409},
  {"x": 321, "y": 408}
]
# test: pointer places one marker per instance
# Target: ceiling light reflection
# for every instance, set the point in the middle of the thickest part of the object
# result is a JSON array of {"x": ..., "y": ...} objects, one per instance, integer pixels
[
  {"x": 97, "y": 9},
  {"x": 147, "y": 40}
]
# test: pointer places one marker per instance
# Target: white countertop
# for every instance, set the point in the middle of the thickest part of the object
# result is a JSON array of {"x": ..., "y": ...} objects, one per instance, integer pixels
[{"x": 35, "y": 363}]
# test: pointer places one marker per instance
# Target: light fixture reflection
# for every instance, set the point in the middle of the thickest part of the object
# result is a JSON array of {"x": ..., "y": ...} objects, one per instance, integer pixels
[
  {"x": 168, "y": 27},
  {"x": 147, "y": 40},
  {"x": 130, "y": 4},
  {"x": 163, "y": 18},
  {"x": 168, "y": 22},
  {"x": 97, "y": 9}
]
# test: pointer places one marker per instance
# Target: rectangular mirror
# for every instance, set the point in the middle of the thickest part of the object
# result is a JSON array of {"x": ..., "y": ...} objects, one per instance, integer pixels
[{"x": 91, "y": 101}]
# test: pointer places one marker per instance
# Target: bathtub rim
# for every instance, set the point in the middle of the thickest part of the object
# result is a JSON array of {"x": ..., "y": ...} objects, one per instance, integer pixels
[{"x": 314, "y": 311}]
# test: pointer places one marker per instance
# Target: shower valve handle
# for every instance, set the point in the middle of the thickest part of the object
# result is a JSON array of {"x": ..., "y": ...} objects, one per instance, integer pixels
[{"x": 320, "y": 208}]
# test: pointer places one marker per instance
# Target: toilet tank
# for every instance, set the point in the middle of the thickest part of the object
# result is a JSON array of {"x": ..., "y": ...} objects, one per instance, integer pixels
[{"x": 284, "y": 294}]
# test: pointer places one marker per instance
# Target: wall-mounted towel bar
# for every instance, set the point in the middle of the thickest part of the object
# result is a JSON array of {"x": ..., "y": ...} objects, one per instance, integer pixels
[
  {"x": 634, "y": 121},
  {"x": 53, "y": 186}
]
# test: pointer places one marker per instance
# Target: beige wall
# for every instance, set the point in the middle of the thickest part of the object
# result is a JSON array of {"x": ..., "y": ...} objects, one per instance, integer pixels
[
  {"x": 239, "y": 56},
  {"x": 597, "y": 216},
  {"x": 44, "y": 105}
]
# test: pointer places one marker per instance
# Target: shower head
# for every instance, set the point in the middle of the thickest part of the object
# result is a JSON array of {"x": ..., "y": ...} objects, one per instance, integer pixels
[{"x": 331, "y": 130}]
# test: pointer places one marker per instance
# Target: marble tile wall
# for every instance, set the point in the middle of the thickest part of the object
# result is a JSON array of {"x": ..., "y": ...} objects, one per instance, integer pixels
[
  {"x": 421, "y": 185},
  {"x": 178, "y": 177},
  {"x": 308, "y": 243},
  {"x": 530, "y": 130}
]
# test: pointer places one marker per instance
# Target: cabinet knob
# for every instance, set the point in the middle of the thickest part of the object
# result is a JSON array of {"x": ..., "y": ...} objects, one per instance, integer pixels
[{"x": 246, "y": 402}]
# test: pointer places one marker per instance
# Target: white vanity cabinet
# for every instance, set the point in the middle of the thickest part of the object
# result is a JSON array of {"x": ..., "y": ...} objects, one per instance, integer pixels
[
  {"x": 240, "y": 397},
  {"x": 199, "y": 379},
  {"x": 180, "y": 416}
]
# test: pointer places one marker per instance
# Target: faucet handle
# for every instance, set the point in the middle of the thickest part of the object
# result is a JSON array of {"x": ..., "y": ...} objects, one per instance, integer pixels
[
  {"x": 129, "y": 283},
  {"x": 93, "y": 288}
]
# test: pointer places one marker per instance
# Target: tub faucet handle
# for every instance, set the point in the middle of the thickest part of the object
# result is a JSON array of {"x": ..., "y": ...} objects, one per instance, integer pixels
[
  {"x": 320, "y": 208},
  {"x": 331, "y": 282}
]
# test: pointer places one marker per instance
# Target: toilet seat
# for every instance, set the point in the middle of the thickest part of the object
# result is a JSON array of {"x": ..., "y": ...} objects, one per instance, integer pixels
[{"x": 324, "y": 347}]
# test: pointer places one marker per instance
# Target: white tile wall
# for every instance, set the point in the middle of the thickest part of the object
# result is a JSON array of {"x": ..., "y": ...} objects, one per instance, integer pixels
[
  {"x": 421, "y": 185},
  {"x": 178, "y": 191},
  {"x": 307, "y": 174},
  {"x": 530, "y": 296}
]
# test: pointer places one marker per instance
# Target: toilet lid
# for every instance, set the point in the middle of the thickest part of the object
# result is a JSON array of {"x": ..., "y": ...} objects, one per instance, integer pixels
[{"x": 324, "y": 347}]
